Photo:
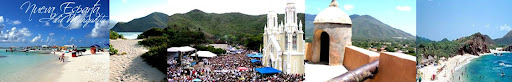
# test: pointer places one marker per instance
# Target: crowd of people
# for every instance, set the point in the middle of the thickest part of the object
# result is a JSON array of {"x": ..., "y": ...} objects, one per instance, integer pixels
[{"x": 225, "y": 68}]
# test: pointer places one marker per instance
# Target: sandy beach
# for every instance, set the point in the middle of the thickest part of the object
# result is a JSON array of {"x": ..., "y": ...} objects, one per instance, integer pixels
[
  {"x": 451, "y": 66},
  {"x": 131, "y": 67},
  {"x": 86, "y": 68}
]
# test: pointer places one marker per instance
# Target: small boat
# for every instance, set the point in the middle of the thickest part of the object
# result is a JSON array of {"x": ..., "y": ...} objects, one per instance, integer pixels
[
  {"x": 23, "y": 50},
  {"x": 44, "y": 51}
]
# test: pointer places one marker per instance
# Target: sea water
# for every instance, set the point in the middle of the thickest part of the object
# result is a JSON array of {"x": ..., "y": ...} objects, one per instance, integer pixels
[
  {"x": 488, "y": 68},
  {"x": 22, "y": 66},
  {"x": 130, "y": 35}
]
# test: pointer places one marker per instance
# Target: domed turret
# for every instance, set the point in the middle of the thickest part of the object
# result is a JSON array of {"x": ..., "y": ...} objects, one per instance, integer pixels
[
  {"x": 333, "y": 14},
  {"x": 333, "y": 32}
]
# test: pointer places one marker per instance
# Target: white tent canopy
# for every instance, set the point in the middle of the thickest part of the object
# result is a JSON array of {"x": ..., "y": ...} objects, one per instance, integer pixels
[
  {"x": 180, "y": 49},
  {"x": 204, "y": 54}
]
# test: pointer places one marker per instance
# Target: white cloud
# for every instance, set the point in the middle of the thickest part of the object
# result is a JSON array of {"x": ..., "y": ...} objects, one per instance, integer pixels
[
  {"x": 47, "y": 24},
  {"x": 100, "y": 30},
  {"x": 1, "y": 19},
  {"x": 38, "y": 37},
  {"x": 348, "y": 7},
  {"x": 51, "y": 34},
  {"x": 403, "y": 8},
  {"x": 16, "y": 22},
  {"x": 47, "y": 39},
  {"x": 14, "y": 35},
  {"x": 62, "y": 26},
  {"x": 71, "y": 39},
  {"x": 487, "y": 26},
  {"x": 76, "y": 22},
  {"x": 124, "y": 1},
  {"x": 505, "y": 27}
]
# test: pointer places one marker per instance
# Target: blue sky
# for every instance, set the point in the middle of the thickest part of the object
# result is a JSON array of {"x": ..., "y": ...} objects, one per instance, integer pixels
[
  {"x": 400, "y": 14},
  {"x": 126, "y": 10},
  {"x": 20, "y": 28},
  {"x": 452, "y": 19}
]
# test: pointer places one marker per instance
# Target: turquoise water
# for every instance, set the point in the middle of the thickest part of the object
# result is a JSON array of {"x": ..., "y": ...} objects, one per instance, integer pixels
[
  {"x": 17, "y": 66},
  {"x": 488, "y": 69},
  {"x": 130, "y": 35}
]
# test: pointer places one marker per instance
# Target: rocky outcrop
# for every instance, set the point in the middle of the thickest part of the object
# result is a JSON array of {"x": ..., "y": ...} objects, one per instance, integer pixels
[
  {"x": 474, "y": 44},
  {"x": 508, "y": 48}
]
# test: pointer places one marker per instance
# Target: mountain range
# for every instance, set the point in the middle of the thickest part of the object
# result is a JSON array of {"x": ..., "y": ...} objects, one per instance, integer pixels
[
  {"x": 212, "y": 24},
  {"x": 155, "y": 19},
  {"x": 505, "y": 40},
  {"x": 365, "y": 27}
]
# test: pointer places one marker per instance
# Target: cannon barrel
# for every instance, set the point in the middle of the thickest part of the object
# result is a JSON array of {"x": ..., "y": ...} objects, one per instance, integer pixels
[{"x": 359, "y": 74}]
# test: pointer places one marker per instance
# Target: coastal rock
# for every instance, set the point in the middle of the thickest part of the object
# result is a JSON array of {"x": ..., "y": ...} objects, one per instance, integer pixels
[
  {"x": 508, "y": 48},
  {"x": 475, "y": 44}
]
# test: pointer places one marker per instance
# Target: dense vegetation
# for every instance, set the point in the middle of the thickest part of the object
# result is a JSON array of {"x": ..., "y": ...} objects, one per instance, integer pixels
[
  {"x": 475, "y": 44},
  {"x": 505, "y": 40},
  {"x": 443, "y": 48},
  {"x": 152, "y": 20},
  {"x": 232, "y": 28},
  {"x": 210, "y": 48},
  {"x": 114, "y": 35},
  {"x": 170, "y": 37},
  {"x": 406, "y": 46}
]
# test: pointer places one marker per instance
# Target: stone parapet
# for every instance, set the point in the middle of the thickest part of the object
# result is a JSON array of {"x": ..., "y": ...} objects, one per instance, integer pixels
[{"x": 356, "y": 57}]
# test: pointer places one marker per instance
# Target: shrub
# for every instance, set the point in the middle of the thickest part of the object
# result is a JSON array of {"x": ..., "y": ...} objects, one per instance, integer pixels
[
  {"x": 211, "y": 49},
  {"x": 154, "y": 41},
  {"x": 114, "y": 35},
  {"x": 151, "y": 33},
  {"x": 112, "y": 50},
  {"x": 156, "y": 57}
]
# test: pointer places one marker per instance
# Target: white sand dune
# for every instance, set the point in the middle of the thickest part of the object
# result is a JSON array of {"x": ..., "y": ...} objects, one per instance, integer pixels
[{"x": 131, "y": 67}]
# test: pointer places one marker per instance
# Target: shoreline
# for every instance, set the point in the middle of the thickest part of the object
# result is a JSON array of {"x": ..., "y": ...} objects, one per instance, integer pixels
[
  {"x": 51, "y": 71},
  {"x": 452, "y": 65}
]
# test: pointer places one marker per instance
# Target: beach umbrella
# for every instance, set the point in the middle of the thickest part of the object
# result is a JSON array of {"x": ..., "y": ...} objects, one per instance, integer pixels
[
  {"x": 267, "y": 70},
  {"x": 255, "y": 60},
  {"x": 97, "y": 45},
  {"x": 242, "y": 68},
  {"x": 197, "y": 80}
]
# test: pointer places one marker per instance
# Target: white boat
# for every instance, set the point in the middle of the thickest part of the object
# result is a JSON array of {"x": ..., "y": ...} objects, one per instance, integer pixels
[
  {"x": 40, "y": 51},
  {"x": 45, "y": 51}
]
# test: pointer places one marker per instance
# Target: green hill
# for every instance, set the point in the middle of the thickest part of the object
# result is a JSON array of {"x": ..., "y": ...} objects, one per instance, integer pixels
[
  {"x": 505, "y": 40},
  {"x": 155, "y": 19},
  {"x": 366, "y": 27},
  {"x": 212, "y": 24}
]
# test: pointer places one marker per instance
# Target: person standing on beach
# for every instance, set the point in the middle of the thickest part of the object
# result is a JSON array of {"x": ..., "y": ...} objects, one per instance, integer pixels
[{"x": 62, "y": 57}]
